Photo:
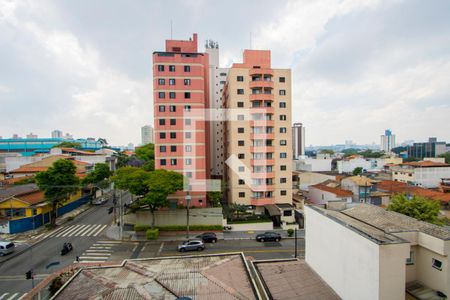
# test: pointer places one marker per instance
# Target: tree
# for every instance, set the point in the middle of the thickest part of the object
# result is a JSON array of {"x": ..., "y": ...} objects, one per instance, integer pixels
[
  {"x": 417, "y": 207},
  {"x": 326, "y": 151},
  {"x": 132, "y": 179},
  {"x": 147, "y": 154},
  {"x": 58, "y": 182},
  {"x": 357, "y": 171},
  {"x": 411, "y": 159},
  {"x": 67, "y": 144},
  {"x": 99, "y": 176},
  {"x": 446, "y": 156}
]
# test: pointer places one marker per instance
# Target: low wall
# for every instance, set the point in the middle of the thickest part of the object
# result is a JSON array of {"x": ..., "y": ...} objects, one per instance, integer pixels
[
  {"x": 268, "y": 226},
  {"x": 197, "y": 216}
]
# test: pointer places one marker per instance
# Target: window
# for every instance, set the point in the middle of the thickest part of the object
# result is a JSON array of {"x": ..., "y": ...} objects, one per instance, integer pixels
[
  {"x": 241, "y": 169},
  {"x": 282, "y": 79},
  {"x": 173, "y": 135},
  {"x": 283, "y": 155},
  {"x": 240, "y": 104},
  {"x": 162, "y": 135},
  {"x": 241, "y": 130},
  {"x": 187, "y": 68},
  {"x": 240, "y": 78},
  {"x": 171, "y": 68},
  {"x": 240, "y": 91},
  {"x": 161, "y": 68},
  {"x": 187, "y": 121},
  {"x": 173, "y": 122},
  {"x": 173, "y": 148},
  {"x": 162, "y": 162},
  {"x": 410, "y": 259},
  {"x": 437, "y": 264},
  {"x": 162, "y": 108},
  {"x": 172, "y": 108},
  {"x": 241, "y": 181},
  {"x": 162, "y": 122},
  {"x": 187, "y": 95},
  {"x": 282, "y": 117},
  {"x": 286, "y": 213},
  {"x": 162, "y": 148},
  {"x": 187, "y": 82},
  {"x": 171, "y": 81},
  {"x": 161, "y": 95},
  {"x": 187, "y": 135},
  {"x": 241, "y": 155},
  {"x": 188, "y": 148},
  {"x": 241, "y": 194},
  {"x": 187, "y": 108},
  {"x": 188, "y": 161},
  {"x": 189, "y": 174},
  {"x": 173, "y": 161},
  {"x": 240, "y": 117},
  {"x": 283, "y": 142},
  {"x": 283, "y": 129},
  {"x": 282, "y": 180},
  {"x": 223, "y": 74},
  {"x": 172, "y": 95},
  {"x": 282, "y": 92},
  {"x": 161, "y": 81},
  {"x": 283, "y": 168},
  {"x": 282, "y": 104},
  {"x": 240, "y": 143}
]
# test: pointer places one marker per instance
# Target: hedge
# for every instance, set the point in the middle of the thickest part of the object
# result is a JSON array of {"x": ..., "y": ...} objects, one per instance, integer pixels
[
  {"x": 141, "y": 227},
  {"x": 152, "y": 234},
  {"x": 191, "y": 227},
  {"x": 249, "y": 221}
]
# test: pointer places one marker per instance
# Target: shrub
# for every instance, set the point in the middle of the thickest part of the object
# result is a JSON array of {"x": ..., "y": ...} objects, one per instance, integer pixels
[
  {"x": 49, "y": 226},
  {"x": 70, "y": 218},
  {"x": 152, "y": 234},
  {"x": 141, "y": 227},
  {"x": 55, "y": 285},
  {"x": 290, "y": 232}
]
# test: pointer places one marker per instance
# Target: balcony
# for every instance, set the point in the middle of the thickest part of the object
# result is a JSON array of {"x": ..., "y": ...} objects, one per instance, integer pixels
[
  {"x": 262, "y": 136},
  {"x": 263, "y": 175},
  {"x": 254, "y": 149},
  {"x": 261, "y": 72},
  {"x": 262, "y": 162},
  {"x": 263, "y": 188},
  {"x": 262, "y": 110},
  {"x": 263, "y": 123},
  {"x": 261, "y": 96},
  {"x": 261, "y": 201},
  {"x": 261, "y": 84}
]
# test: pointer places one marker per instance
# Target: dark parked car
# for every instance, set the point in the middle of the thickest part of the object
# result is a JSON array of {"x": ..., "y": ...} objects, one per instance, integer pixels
[
  {"x": 268, "y": 236},
  {"x": 208, "y": 237},
  {"x": 191, "y": 245}
]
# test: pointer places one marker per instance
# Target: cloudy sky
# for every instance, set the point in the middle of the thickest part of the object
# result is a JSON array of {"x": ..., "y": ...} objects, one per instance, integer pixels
[{"x": 359, "y": 66}]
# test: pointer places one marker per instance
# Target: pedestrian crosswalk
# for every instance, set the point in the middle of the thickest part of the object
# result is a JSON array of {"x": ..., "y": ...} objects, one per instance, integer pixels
[
  {"x": 98, "y": 252},
  {"x": 78, "y": 230},
  {"x": 12, "y": 296}
]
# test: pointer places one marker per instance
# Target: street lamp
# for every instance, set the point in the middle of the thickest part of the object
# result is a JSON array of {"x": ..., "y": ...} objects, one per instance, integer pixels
[{"x": 188, "y": 202}]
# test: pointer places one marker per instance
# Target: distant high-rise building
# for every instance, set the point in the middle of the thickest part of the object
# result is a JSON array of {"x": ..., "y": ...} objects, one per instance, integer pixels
[
  {"x": 387, "y": 141},
  {"x": 31, "y": 136},
  {"x": 432, "y": 148},
  {"x": 68, "y": 136},
  {"x": 57, "y": 134},
  {"x": 147, "y": 135},
  {"x": 298, "y": 140},
  {"x": 16, "y": 136}
]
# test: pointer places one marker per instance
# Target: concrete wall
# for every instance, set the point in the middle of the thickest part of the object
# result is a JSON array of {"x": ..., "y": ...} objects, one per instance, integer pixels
[
  {"x": 431, "y": 177},
  {"x": 347, "y": 166},
  {"x": 309, "y": 178},
  {"x": 197, "y": 216},
  {"x": 317, "y": 196},
  {"x": 251, "y": 226},
  {"x": 313, "y": 164},
  {"x": 432, "y": 277},
  {"x": 392, "y": 275}
]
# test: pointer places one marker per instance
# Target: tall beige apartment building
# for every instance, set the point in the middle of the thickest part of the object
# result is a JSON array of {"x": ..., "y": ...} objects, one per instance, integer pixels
[{"x": 258, "y": 133}]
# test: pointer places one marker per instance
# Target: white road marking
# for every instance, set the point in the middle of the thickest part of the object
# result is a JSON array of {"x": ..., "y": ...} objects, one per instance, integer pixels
[
  {"x": 83, "y": 232},
  {"x": 98, "y": 251},
  {"x": 160, "y": 248},
  {"x": 93, "y": 228},
  {"x": 96, "y": 257},
  {"x": 69, "y": 230},
  {"x": 22, "y": 296},
  {"x": 100, "y": 230},
  {"x": 109, "y": 242},
  {"x": 13, "y": 296},
  {"x": 4, "y": 295}
]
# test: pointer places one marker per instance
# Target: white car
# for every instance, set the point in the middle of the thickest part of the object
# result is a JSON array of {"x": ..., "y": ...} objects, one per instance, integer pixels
[{"x": 6, "y": 247}]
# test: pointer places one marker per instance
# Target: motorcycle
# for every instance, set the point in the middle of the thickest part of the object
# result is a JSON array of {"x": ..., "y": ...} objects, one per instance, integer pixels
[{"x": 67, "y": 247}]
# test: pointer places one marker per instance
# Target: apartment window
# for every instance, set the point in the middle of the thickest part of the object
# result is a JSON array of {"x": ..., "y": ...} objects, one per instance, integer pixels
[
  {"x": 283, "y": 130},
  {"x": 241, "y": 169},
  {"x": 283, "y": 155},
  {"x": 283, "y": 180},
  {"x": 187, "y": 95},
  {"x": 437, "y": 264},
  {"x": 240, "y": 117},
  {"x": 172, "y": 95},
  {"x": 241, "y": 181},
  {"x": 283, "y": 142},
  {"x": 161, "y": 68},
  {"x": 187, "y": 121},
  {"x": 161, "y": 81},
  {"x": 187, "y": 135},
  {"x": 162, "y": 135},
  {"x": 162, "y": 122},
  {"x": 282, "y": 92},
  {"x": 173, "y": 135},
  {"x": 241, "y": 130},
  {"x": 161, "y": 95},
  {"x": 189, "y": 174},
  {"x": 173, "y": 161},
  {"x": 283, "y": 168},
  {"x": 187, "y": 82},
  {"x": 172, "y": 108},
  {"x": 240, "y": 78},
  {"x": 282, "y": 79},
  {"x": 241, "y": 194},
  {"x": 171, "y": 81},
  {"x": 240, "y": 143},
  {"x": 240, "y": 91},
  {"x": 162, "y": 108},
  {"x": 187, "y": 108},
  {"x": 173, "y": 122},
  {"x": 223, "y": 74},
  {"x": 188, "y": 161},
  {"x": 162, "y": 162},
  {"x": 282, "y": 104},
  {"x": 282, "y": 117},
  {"x": 187, "y": 68},
  {"x": 188, "y": 148},
  {"x": 410, "y": 259},
  {"x": 283, "y": 193},
  {"x": 222, "y": 82},
  {"x": 240, "y": 104},
  {"x": 171, "y": 68},
  {"x": 173, "y": 148},
  {"x": 162, "y": 148},
  {"x": 241, "y": 155}
]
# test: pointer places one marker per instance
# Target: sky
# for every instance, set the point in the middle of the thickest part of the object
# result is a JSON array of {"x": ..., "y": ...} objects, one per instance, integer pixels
[{"x": 358, "y": 66}]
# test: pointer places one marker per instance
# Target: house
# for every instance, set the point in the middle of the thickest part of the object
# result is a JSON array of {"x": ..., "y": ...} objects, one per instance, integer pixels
[
  {"x": 427, "y": 174},
  {"x": 360, "y": 186},
  {"x": 309, "y": 164},
  {"x": 348, "y": 164},
  {"x": 321, "y": 194},
  {"x": 306, "y": 179},
  {"x": 366, "y": 252}
]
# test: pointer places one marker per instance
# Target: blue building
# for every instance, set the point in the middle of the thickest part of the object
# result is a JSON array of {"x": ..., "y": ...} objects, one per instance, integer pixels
[{"x": 29, "y": 147}]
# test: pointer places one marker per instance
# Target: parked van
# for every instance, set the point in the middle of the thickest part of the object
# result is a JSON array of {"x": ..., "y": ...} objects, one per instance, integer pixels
[{"x": 6, "y": 247}]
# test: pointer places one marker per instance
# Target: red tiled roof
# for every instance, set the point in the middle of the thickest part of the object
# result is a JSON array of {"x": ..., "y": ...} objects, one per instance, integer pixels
[
  {"x": 33, "y": 197},
  {"x": 336, "y": 191},
  {"x": 25, "y": 169},
  {"x": 425, "y": 163},
  {"x": 73, "y": 150},
  {"x": 400, "y": 187}
]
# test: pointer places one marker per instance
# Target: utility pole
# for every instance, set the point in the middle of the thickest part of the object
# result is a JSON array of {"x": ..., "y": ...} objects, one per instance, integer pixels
[
  {"x": 295, "y": 235},
  {"x": 120, "y": 214},
  {"x": 188, "y": 201}
]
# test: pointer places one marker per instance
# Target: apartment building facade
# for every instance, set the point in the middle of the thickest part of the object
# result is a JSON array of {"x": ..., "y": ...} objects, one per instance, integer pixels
[
  {"x": 181, "y": 96},
  {"x": 427, "y": 174},
  {"x": 147, "y": 135},
  {"x": 258, "y": 132}
]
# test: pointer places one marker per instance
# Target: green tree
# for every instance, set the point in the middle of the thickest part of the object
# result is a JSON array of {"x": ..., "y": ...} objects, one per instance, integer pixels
[
  {"x": 446, "y": 156},
  {"x": 357, "y": 171},
  {"x": 411, "y": 159},
  {"x": 371, "y": 154},
  {"x": 147, "y": 154},
  {"x": 67, "y": 144},
  {"x": 418, "y": 207},
  {"x": 99, "y": 174},
  {"x": 132, "y": 179},
  {"x": 326, "y": 151},
  {"x": 58, "y": 182}
]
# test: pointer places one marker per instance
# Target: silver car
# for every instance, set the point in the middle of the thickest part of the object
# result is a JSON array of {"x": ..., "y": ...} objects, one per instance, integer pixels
[
  {"x": 6, "y": 247},
  {"x": 191, "y": 245}
]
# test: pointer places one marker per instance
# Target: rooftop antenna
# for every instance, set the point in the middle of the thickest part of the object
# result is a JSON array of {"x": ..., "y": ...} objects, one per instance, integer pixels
[{"x": 171, "y": 31}]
